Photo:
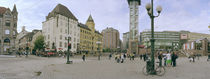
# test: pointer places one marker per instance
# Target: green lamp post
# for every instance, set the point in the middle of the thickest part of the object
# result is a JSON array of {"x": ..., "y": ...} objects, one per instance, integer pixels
[{"x": 149, "y": 8}]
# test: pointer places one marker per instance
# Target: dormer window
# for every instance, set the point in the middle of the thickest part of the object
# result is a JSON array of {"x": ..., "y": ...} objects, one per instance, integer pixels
[{"x": 7, "y": 15}]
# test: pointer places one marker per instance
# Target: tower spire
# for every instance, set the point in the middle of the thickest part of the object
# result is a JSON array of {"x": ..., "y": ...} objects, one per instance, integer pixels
[
  {"x": 14, "y": 9},
  {"x": 90, "y": 19}
]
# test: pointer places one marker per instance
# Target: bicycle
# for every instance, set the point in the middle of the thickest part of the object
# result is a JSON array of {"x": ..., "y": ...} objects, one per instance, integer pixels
[{"x": 160, "y": 70}]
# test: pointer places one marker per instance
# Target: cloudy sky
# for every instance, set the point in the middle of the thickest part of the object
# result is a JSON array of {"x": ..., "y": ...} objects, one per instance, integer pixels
[{"x": 192, "y": 15}]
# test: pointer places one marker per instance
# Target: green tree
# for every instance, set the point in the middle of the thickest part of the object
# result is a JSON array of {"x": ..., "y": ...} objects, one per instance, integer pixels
[{"x": 39, "y": 43}]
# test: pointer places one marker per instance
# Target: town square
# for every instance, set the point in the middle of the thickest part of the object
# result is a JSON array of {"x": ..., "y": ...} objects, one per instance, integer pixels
[{"x": 104, "y": 39}]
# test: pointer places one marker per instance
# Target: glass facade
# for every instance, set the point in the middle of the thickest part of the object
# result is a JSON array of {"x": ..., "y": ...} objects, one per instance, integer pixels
[{"x": 163, "y": 40}]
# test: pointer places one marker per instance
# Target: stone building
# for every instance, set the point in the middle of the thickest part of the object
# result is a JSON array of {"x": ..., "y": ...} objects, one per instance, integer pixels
[
  {"x": 19, "y": 36},
  {"x": 36, "y": 33},
  {"x": 90, "y": 39},
  {"x": 8, "y": 29},
  {"x": 60, "y": 25},
  {"x": 111, "y": 38},
  {"x": 27, "y": 40}
]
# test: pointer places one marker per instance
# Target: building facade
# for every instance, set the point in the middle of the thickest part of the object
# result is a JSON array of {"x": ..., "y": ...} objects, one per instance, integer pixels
[
  {"x": 163, "y": 39},
  {"x": 111, "y": 38},
  {"x": 90, "y": 39},
  {"x": 194, "y": 36},
  {"x": 19, "y": 36},
  {"x": 85, "y": 38},
  {"x": 27, "y": 40},
  {"x": 8, "y": 29},
  {"x": 125, "y": 40},
  {"x": 59, "y": 25},
  {"x": 36, "y": 33}
]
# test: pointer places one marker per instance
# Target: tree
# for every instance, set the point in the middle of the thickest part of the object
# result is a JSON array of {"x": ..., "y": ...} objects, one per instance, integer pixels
[{"x": 39, "y": 43}]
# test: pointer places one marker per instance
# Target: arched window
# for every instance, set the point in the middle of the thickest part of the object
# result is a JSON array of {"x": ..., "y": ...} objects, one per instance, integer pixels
[{"x": 6, "y": 40}]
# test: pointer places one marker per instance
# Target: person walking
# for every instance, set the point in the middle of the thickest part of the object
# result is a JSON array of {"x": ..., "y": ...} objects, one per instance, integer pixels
[
  {"x": 173, "y": 58},
  {"x": 208, "y": 57},
  {"x": 165, "y": 59},
  {"x": 118, "y": 58},
  {"x": 110, "y": 56},
  {"x": 193, "y": 58},
  {"x": 144, "y": 57},
  {"x": 168, "y": 57},
  {"x": 83, "y": 57},
  {"x": 160, "y": 59},
  {"x": 122, "y": 58}
]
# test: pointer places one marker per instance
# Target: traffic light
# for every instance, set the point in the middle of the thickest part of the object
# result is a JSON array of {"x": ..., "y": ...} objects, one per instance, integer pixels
[{"x": 69, "y": 46}]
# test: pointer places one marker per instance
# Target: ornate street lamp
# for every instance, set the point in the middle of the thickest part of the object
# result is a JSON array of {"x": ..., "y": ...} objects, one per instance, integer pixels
[{"x": 149, "y": 8}]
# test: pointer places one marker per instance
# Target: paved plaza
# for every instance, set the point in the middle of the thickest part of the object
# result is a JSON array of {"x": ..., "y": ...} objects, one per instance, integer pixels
[{"x": 55, "y": 68}]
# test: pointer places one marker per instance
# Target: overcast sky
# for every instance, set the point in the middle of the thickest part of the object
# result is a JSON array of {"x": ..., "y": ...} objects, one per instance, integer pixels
[{"x": 192, "y": 15}]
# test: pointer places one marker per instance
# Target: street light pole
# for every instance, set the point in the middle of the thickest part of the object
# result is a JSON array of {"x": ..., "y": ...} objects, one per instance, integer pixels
[
  {"x": 68, "y": 52},
  {"x": 99, "y": 54},
  {"x": 149, "y": 8}
]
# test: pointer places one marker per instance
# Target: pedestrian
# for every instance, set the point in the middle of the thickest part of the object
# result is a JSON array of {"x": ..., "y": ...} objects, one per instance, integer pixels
[
  {"x": 144, "y": 57},
  {"x": 193, "y": 58},
  {"x": 174, "y": 56},
  {"x": 165, "y": 59},
  {"x": 168, "y": 57},
  {"x": 115, "y": 56},
  {"x": 83, "y": 57},
  {"x": 160, "y": 59},
  {"x": 208, "y": 57},
  {"x": 110, "y": 56},
  {"x": 133, "y": 55},
  {"x": 118, "y": 58},
  {"x": 122, "y": 58},
  {"x": 140, "y": 56}
]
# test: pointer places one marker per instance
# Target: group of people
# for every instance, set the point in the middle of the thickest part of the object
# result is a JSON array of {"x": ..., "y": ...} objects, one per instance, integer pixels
[
  {"x": 169, "y": 59},
  {"x": 19, "y": 53},
  {"x": 120, "y": 57}
]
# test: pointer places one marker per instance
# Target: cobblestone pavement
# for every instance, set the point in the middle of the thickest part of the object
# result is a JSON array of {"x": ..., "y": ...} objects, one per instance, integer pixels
[{"x": 55, "y": 68}]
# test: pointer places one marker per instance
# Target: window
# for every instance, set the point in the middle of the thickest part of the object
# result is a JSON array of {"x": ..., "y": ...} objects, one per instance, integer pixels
[
  {"x": 60, "y": 37},
  {"x": 60, "y": 44},
  {"x": 48, "y": 43},
  {"x": 48, "y": 36},
  {"x": 7, "y": 23},
  {"x": 74, "y": 45},
  {"x": 6, "y": 31},
  {"x": 13, "y": 32},
  {"x": 65, "y": 45},
  {"x": 74, "y": 39}
]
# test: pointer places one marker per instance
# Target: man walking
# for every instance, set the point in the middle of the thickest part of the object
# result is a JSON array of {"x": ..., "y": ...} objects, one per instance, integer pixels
[
  {"x": 83, "y": 57},
  {"x": 160, "y": 58},
  {"x": 174, "y": 57},
  {"x": 110, "y": 56}
]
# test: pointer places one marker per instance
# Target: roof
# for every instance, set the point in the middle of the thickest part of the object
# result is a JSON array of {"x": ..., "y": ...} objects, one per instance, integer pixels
[
  {"x": 90, "y": 19},
  {"x": 98, "y": 32},
  {"x": 14, "y": 9},
  {"x": 83, "y": 26},
  {"x": 2, "y": 10},
  {"x": 63, "y": 10},
  {"x": 139, "y": 1}
]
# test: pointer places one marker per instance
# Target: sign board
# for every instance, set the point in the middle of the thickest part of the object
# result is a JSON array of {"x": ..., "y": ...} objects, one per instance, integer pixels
[{"x": 183, "y": 36}]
